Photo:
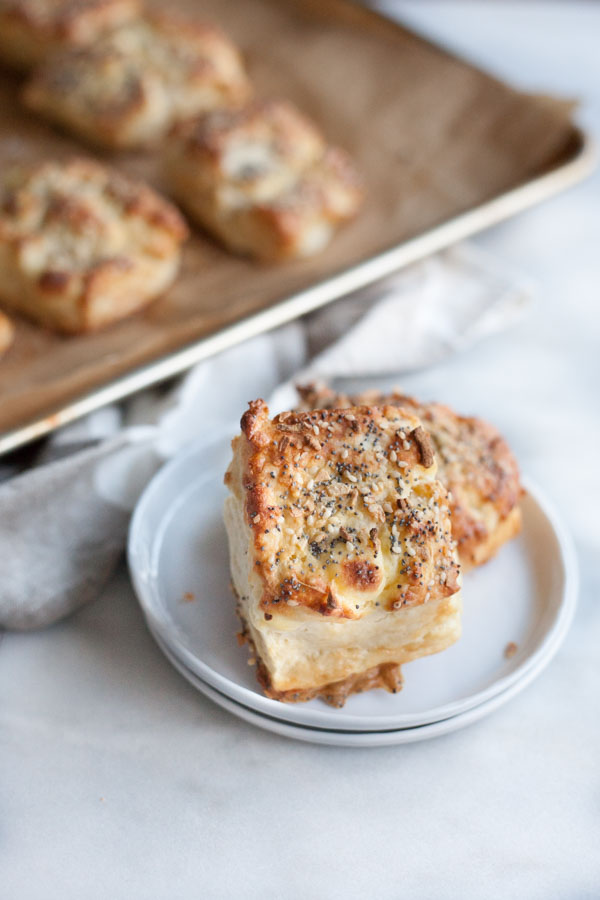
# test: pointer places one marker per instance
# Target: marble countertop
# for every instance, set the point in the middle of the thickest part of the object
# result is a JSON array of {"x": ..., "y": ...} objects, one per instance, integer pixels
[{"x": 118, "y": 780}]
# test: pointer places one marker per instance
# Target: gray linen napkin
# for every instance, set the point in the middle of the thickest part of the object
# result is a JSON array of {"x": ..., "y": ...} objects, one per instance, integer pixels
[{"x": 63, "y": 524}]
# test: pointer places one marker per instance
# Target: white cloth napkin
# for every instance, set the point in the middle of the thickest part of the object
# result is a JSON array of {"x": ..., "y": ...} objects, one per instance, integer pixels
[{"x": 63, "y": 524}]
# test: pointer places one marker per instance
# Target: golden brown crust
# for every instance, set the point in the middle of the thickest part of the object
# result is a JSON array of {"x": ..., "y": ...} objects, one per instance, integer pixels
[
  {"x": 342, "y": 505},
  {"x": 30, "y": 30},
  {"x": 81, "y": 245},
  {"x": 131, "y": 87},
  {"x": 474, "y": 462},
  {"x": 275, "y": 128},
  {"x": 263, "y": 180},
  {"x": 386, "y": 675},
  {"x": 487, "y": 546},
  {"x": 7, "y": 332}
]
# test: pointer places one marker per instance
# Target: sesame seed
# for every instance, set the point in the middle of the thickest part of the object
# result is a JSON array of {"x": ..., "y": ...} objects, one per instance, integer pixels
[
  {"x": 406, "y": 445},
  {"x": 256, "y": 518},
  {"x": 350, "y": 417},
  {"x": 316, "y": 429},
  {"x": 351, "y": 477},
  {"x": 393, "y": 456},
  {"x": 349, "y": 546},
  {"x": 411, "y": 551},
  {"x": 345, "y": 453},
  {"x": 310, "y": 520}
]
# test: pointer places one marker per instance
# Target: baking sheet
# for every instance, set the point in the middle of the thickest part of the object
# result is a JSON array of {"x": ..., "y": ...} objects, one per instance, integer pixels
[{"x": 444, "y": 150}]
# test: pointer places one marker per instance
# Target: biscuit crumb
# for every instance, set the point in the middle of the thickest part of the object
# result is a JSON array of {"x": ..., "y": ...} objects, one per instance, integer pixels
[
  {"x": 510, "y": 650},
  {"x": 188, "y": 597}
]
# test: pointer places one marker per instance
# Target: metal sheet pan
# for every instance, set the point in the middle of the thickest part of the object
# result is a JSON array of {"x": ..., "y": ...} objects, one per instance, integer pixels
[{"x": 358, "y": 259}]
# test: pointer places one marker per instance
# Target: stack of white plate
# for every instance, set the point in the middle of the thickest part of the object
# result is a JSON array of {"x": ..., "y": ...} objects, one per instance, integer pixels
[{"x": 517, "y": 610}]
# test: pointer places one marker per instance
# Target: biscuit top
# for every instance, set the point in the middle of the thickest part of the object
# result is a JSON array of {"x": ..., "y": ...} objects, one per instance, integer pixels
[
  {"x": 68, "y": 20},
  {"x": 472, "y": 456},
  {"x": 69, "y": 217},
  {"x": 156, "y": 59},
  {"x": 260, "y": 149},
  {"x": 270, "y": 157},
  {"x": 345, "y": 510},
  {"x": 177, "y": 50},
  {"x": 474, "y": 461}
]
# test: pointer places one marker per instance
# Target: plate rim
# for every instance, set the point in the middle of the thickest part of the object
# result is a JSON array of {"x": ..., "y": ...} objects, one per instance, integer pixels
[{"x": 253, "y": 700}]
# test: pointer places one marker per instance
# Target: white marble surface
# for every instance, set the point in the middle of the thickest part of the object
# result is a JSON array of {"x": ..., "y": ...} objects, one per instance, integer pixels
[{"x": 118, "y": 781}]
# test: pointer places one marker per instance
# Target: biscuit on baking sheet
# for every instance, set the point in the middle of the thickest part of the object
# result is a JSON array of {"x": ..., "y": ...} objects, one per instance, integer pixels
[
  {"x": 341, "y": 553},
  {"x": 81, "y": 245},
  {"x": 131, "y": 87},
  {"x": 30, "y": 30},
  {"x": 263, "y": 180},
  {"x": 474, "y": 462},
  {"x": 6, "y": 333}
]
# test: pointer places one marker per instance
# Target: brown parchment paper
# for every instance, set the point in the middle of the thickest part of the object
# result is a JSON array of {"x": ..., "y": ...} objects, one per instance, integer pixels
[{"x": 432, "y": 135}]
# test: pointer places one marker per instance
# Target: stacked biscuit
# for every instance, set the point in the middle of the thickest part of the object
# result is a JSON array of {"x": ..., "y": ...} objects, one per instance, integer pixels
[
  {"x": 81, "y": 245},
  {"x": 349, "y": 520}
]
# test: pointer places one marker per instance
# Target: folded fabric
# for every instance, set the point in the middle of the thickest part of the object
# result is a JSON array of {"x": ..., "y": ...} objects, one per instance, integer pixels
[{"x": 63, "y": 523}]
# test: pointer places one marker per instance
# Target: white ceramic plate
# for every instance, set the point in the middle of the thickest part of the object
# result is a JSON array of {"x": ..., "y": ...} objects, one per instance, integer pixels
[
  {"x": 350, "y": 738},
  {"x": 179, "y": 565}
]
